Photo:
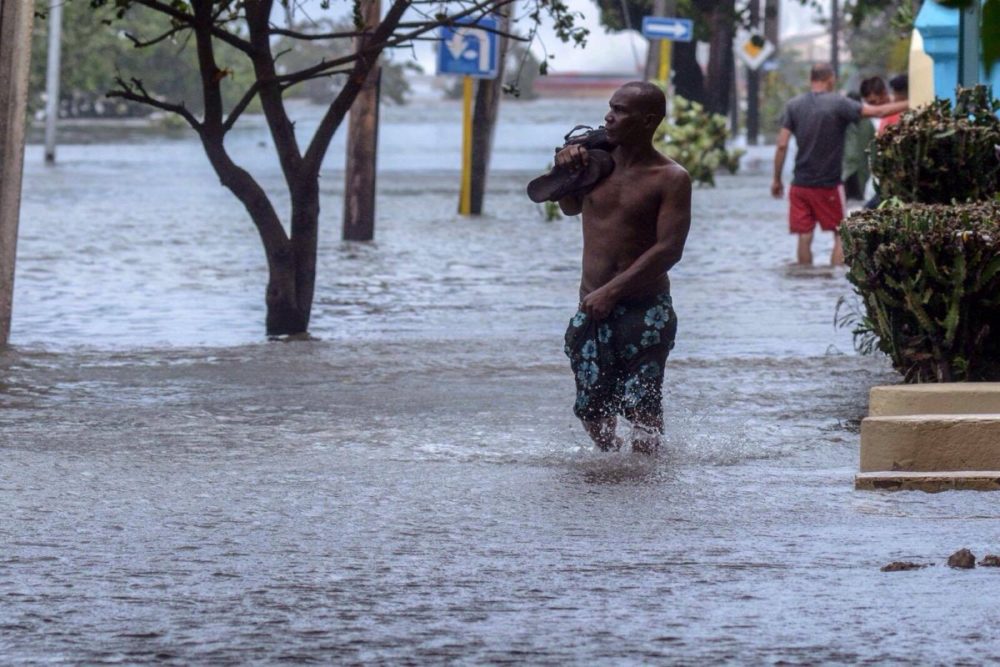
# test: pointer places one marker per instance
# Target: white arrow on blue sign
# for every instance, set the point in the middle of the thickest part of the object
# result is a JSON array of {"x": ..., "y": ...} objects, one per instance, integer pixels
[
  {"x": 467, "y": 49},
  {"x": 668, "y": 27}
]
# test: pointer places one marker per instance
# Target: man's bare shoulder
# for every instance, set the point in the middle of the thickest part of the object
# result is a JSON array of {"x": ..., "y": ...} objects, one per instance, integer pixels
[{"x": 673, "y": 175}]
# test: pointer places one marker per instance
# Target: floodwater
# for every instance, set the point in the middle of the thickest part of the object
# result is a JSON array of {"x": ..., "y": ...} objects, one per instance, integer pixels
[{"x": 411, "y": 487}]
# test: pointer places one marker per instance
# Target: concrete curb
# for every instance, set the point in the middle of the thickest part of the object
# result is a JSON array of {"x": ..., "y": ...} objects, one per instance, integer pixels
[
  {"x": 930, "y": 482},
  {"x": 931, "y": 437}
]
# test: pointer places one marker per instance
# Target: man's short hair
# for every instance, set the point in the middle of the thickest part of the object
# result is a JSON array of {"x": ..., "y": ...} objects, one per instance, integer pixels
[
  {"x": 651, "y": 97},
  {"x": 821, "y": 72},
  {"x": 873, "y": 86},
  {"x": 900, "y": 84}
]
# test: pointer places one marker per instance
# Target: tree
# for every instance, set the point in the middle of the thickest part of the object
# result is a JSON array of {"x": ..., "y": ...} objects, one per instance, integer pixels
[
  {"x": 168, "y": 70},
  {"x": 715, "y": 22},
  {"x": 223, "y": 29}
]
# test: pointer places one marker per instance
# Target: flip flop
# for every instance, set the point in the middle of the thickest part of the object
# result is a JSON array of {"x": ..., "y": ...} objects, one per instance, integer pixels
[{"x": 562, "y": 181}]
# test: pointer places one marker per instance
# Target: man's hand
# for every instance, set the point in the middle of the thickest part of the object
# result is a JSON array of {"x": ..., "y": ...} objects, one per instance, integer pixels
[
  {"x": 573, "y": 156},
  {"x": 777, "y": 189},
  {"x": 599, "y": 303}
]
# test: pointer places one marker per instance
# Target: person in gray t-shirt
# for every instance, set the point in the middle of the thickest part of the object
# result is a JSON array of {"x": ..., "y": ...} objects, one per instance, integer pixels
[{"x": 818, "y": 119}]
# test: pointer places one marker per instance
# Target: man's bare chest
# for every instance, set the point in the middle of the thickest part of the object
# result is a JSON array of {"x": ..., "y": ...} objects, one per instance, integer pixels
[{"x": 624, "y": 196}]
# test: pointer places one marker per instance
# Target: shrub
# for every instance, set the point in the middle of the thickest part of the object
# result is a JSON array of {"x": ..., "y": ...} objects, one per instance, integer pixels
[
  {"x": 929, "y": 277},
  {"x": 937, "y": 154},
  {"x": 696, "y": 139}
]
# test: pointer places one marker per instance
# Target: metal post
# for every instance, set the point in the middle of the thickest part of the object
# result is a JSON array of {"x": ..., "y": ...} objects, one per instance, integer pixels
[
  {"x": 15, "y": 53},
  {"x": 52, "y": 79}
]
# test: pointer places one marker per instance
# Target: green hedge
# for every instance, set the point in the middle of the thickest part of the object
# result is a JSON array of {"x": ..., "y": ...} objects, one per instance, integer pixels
[
  {"x": 939, "y": 154},
  {"x": 929, "y": 277},
  {"x": 696, "y": 139}
]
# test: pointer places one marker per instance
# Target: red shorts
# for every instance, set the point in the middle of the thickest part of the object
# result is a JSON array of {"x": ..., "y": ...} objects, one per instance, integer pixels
[{"x": 807, "y": 206}]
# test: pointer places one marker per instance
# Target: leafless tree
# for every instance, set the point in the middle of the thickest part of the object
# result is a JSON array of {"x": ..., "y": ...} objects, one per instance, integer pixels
[{"x": 249, "y": 27}]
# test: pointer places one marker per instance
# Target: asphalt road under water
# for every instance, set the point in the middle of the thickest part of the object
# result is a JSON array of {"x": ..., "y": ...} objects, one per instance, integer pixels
[{"x": 412, "y": 487}]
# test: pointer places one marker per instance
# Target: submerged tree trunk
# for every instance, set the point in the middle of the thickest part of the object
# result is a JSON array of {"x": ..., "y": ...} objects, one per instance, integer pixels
[
  {"x": 720, "y": 59},
  {"x": 689, "y": 82}
]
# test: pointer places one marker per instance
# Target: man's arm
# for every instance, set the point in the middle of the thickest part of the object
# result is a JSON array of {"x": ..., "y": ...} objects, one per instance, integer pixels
[
  {"x": 672, "y": 224},
  {"x": 780, "y": 151},
  {"x": 882, "y": 110}
]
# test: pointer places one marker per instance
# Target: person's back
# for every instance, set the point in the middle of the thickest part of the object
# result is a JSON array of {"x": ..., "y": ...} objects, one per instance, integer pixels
[{"x": 818, "y": 121}]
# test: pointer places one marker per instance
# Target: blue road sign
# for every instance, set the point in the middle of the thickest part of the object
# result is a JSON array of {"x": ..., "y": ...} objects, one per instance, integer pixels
[
  {"x": 668, "y": 27},
  {"x": 468, "y": 49}
]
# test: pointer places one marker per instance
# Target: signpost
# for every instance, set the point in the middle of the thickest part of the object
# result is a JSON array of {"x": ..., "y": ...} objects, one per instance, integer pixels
[
  {"x": 667, "y": 29},
  {"x": 470, "y": 49},
  {"x": 753, "y": 50}
]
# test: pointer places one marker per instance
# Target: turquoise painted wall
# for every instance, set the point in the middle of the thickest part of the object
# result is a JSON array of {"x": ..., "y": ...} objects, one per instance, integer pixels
[{"x": 938, "y": 25}]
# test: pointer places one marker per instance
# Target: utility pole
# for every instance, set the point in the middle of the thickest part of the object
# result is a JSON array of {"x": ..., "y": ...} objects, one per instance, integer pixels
[
  {"x": 658, "y": 59},
  {"x": 15, "y": 52},
  {"x": 484, "y": 119},
  {"x": 835, "y": 38},
  {"x": 362, "y": 145},
  {"x": 753, "y": 83},
  {"x": 52, "y": 79}
]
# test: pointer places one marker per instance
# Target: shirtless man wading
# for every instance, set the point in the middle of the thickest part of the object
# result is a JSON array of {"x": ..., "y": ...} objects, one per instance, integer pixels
[{"x": 635, "y": 223}]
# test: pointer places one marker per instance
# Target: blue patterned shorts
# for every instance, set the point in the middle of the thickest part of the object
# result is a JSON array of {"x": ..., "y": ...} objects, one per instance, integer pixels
[{"x": 619, "y": 361}]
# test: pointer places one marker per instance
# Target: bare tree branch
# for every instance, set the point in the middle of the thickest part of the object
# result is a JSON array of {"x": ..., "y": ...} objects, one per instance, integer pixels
[
  {"x": 240, "y": 107},
  {"x": 319, "y": 36},
  {"x": 188, "y": 20},
  {"x": 378, "y": 45},
  {"x": 135, "y": 92},
  {"x": 324, "y": 75},
  {"x": 140, "y": 44}
]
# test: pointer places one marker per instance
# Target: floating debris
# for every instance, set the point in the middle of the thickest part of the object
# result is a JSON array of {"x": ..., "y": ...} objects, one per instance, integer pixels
[
  {"x": 963, "y": 558},
  {"x": 901, "y": 566}
]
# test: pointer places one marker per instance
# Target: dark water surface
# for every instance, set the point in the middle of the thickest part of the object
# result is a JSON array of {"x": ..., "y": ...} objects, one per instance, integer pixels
[{"x": 412, "y": 486}]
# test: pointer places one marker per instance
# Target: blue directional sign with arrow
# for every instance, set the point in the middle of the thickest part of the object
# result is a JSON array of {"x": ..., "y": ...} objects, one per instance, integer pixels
[
  {"x": 668, "y": 27},
  {"x": 469, "y": 48}
]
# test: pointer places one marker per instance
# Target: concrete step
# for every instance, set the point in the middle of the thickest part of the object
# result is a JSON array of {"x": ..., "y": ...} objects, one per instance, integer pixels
[
  {"x": 932, "y": 482},
  {"x": 930, "y": 443},
  {"x": 952, "y": 398}
]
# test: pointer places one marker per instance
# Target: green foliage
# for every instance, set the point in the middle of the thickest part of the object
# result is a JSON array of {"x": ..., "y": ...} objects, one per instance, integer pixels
[
  {"x": 929, "y": 277},
  {"x": 880, "y": 43},
  {"x": 551, "y": 211},
  {"x": 697, "y": 140},
  {"x": 937, "y": 154},
  {"x": 94, "y": 54}
]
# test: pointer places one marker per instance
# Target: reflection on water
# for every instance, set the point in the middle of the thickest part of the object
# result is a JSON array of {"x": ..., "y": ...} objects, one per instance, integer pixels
[{"x": 412, "y": 487}]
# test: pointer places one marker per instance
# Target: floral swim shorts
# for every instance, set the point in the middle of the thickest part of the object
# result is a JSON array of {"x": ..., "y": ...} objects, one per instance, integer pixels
[{"x": 619, "y": 361}]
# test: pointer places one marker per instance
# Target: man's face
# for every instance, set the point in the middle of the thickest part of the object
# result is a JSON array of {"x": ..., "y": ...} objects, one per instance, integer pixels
[{"x": 624, "y": 118}]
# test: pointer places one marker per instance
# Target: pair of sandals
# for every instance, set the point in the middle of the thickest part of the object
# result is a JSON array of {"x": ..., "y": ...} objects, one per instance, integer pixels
[{"x": 563, "y": 181}]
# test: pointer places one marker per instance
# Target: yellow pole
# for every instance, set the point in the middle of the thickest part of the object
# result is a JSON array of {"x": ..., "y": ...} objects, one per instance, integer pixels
[
  {"x": 665, "y": 61},
  {"x": 465, "y": 197}
]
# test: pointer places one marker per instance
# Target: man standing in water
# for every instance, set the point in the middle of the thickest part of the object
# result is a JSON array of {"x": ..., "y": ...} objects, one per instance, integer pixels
[
  {"x": 819, "y": 119},
  {"x": 635, "y": 222}
]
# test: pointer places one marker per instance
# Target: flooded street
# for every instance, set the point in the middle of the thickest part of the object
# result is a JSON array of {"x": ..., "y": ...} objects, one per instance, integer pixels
[{"x": 412, "y": 487}]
